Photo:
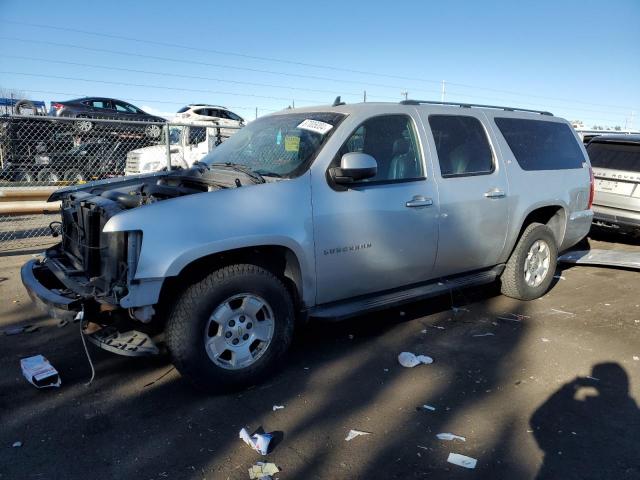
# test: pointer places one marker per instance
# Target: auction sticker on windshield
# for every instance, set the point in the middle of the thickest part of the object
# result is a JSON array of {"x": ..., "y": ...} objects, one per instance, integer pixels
[
  {"x": 291, "y": 144},
  {"x": 315, "y": 126}
]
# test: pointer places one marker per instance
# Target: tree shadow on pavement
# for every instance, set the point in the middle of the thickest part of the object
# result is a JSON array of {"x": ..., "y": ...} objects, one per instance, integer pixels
[{"x": 590, "y": 428}]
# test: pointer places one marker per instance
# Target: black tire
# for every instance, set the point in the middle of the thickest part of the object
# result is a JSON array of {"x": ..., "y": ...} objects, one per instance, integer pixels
[
  {"x": 74, "y": 176},
  {"x": 47, "y": 175},
  {"x": 188, "y": 320},
  {"x": 24, "y": 177},
  {"x": 513, "y": 278}
]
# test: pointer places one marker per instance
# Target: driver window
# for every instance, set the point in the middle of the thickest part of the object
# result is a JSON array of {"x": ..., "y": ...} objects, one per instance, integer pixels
[{"x": 392, "y": 141}]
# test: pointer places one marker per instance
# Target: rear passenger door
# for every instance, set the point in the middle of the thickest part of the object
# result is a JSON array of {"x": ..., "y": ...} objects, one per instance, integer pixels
[{"x": 473, "y": 192}]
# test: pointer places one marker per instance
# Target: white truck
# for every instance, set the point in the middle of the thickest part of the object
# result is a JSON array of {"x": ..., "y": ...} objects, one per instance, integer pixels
[{"x": 189, "y": 142}]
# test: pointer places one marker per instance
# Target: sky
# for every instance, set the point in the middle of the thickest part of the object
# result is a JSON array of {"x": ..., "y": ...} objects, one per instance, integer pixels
[{"x": 577, "y": 59}]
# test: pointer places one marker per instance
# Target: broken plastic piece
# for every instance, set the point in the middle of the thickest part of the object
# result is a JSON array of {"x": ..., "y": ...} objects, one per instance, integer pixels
[
  {"x": 39, "y": 372},
  {"x": 258, "y": 441},
  {"x": 262, "y": 470},
  {"x": 17, "y": 444},
  {"x": 410, "y": 360},
  {"x": 636, "y": 358},
  {"x": 462, "y": 460},
  {"x": 278, "y": 407},
  {"x": 450, "y": 436},
  {"x": 427, "y": 407},
  {"x": 605, "y": 258},
  {"x": 355, "y": 433},
  {"x": 131, "y": 344}
]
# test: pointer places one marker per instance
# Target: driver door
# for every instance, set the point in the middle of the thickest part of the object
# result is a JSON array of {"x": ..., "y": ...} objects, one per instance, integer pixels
[{"x": 380, "y": 233}]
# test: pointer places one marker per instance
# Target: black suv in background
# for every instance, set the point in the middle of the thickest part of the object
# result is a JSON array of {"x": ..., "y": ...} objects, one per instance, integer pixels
[{"x": 105, "y": 108}]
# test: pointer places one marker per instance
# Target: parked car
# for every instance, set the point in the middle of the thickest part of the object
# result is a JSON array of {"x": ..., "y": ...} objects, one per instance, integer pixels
[
  {"x": 616, "y": 166},
  {"x": 87, "y": 108},
  {"x": 321, "y": 212},
  {"x": 188, "y": 144}
]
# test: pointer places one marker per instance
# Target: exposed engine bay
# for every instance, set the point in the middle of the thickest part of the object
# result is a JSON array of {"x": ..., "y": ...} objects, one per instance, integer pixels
[{"x": 98, "y": 265}]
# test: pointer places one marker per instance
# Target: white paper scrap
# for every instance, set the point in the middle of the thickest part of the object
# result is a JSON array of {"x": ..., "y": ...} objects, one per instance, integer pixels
[
  {"x": 278, "y": 407},
  {"x": 450, "y": 436},
  {"x": 39, "y": 372},
  {"x": 355, "y": 433},
  {"x": 315, "y": 126},
  {"x": 263, "y": 470},
  {"x": 259, "y": 441},
  {"x": 410, "y": 360},
  {"x": 462, "y": 460}
]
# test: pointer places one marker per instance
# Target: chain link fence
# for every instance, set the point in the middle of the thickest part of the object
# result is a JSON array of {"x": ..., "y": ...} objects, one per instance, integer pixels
[{"x": 39, "y": 154}]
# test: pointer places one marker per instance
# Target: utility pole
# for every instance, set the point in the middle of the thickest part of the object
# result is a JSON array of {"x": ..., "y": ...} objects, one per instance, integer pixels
[
  {"x": 406, "y": 95},
  {"x": 256, "y": 112},
  {"x": 442, "y": 93},
  {"x": 365, "y": 97},
  {"x": 293, "y": 103}
]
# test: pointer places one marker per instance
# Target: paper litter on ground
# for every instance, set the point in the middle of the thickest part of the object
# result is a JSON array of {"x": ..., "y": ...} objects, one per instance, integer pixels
[
  {"x": 258, "y": 441},
  {"x": 39, "y": 372},
  {"x": 427, "y": 407},
  {"x": 462, "y": 460},
  {"x": 263, "y": 470},
  {"x": 355, "y": 433},
  {"x": 410, "y": 360},
  {"x": 278, "y": 407},
  {"x": 450, "y": 436}
]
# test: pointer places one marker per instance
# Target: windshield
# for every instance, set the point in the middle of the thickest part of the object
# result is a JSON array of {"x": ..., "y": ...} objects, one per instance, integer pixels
[{"x": 278, "y": 145}]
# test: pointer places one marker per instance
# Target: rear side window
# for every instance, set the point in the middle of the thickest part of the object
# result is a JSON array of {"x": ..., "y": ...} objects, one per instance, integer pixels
[
  {"x": 618, "y": 156},
  {"x": 540, "y": 145},
  {"x": 462, "y": 145}
]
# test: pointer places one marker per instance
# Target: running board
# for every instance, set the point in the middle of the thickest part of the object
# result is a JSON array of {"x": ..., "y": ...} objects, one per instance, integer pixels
[{"x": 349, "y": 308}]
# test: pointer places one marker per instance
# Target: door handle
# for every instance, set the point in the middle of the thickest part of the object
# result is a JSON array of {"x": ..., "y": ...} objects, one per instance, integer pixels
[
  {"x": 419, "y": 201},
  {"x": 495, "y": 193}
]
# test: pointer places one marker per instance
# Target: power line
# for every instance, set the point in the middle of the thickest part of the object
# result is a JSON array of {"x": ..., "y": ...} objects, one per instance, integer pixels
[
  {"x": 306, "y": 64},
  {"x": 196, "y": 62}
]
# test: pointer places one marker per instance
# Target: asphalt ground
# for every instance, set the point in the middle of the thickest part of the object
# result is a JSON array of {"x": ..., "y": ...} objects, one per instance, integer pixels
[{"x": 511, "y": 377}]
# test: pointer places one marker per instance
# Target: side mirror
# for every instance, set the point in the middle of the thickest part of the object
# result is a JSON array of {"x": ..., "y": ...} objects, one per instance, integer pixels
[{"x": 354, "y": 166}]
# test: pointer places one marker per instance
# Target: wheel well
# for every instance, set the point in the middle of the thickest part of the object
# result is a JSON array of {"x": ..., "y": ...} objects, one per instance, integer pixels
[
  {"x": 553, "y": 216},
  {"x": 279, "y": 260}
]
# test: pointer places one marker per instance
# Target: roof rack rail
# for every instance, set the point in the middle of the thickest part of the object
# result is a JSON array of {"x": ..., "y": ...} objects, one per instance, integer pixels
[{"x": 470, "y": 105}]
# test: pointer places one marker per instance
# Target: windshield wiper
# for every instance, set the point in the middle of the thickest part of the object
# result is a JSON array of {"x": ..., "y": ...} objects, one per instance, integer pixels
[
  {"x": 269, "y": 174},
  {"x": 238, "y": 167}
]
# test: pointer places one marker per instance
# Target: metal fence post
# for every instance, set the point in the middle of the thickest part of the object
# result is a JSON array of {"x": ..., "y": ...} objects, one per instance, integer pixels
[{"x": 168, "y": 143}]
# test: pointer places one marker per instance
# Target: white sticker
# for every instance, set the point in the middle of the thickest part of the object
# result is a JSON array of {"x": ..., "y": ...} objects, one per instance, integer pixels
[{"x": 315, "y": 126}]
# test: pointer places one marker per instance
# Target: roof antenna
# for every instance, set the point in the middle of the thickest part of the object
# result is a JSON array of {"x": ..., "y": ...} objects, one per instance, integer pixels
[{"x": 337, "y": 102}]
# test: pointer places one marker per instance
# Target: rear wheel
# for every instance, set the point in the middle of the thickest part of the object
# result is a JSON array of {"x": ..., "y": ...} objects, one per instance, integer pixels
[
  {"x": 153, "y": 131},
  {"x": 48, "y": 175},
  {"x": 231, "y": 329},
  {"x": 529, "y": 271},
  {"x": 24, "y": 176},
  {"x": 83, "y": 125}
]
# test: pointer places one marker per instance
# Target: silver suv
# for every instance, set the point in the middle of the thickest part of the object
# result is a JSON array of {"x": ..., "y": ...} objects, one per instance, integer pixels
[
  {"x": 616, "y": 167},
  {"x": 321, "y": 212}
]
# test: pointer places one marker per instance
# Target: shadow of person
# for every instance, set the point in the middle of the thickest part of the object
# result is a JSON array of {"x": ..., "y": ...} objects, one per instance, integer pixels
[{"x": 590, "y": 428}]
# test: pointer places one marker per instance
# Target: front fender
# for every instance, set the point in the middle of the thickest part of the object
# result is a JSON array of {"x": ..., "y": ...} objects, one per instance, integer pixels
[{"x": 179, "y": 231}]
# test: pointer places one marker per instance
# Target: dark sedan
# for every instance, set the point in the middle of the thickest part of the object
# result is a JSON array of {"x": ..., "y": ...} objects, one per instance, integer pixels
[{"x": 88, "y": 108}]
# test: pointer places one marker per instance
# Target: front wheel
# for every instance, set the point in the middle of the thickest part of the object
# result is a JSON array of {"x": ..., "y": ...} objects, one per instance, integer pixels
[
  {"x": 231, "y": 329},
  {"x": 529, "y": 271}
]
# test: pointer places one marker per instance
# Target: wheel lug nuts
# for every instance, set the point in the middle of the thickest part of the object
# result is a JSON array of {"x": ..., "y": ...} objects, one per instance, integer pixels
[
  {"x": 232, "y": 323},
  {"x": 249, "y": 325},
  {"x": 227, "y": 335},
  {"x": 241, "y": 318},
  {"x": 245, "y": 336},
  {"x": 235, "y": 341}
]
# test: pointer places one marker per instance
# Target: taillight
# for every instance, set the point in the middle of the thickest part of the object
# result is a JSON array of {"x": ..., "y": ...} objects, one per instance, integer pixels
[
  {"x": 592, "y": 188},
  {"x": 57, "y": 106}
]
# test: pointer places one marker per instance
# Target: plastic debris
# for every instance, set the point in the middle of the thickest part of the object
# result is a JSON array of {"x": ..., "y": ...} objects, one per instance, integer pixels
[
  {"x": 410, "y": 360},
  {"x": 459, "y": 309},
  {"x": 263, "y": 470},
  {"x": 426, "y": 407},
  {"x": 278, "y": 407},
  {"x": 39, "y": 372},
  {"x": 17, "y": 444},
  {"x": 79, "y": 316},
  {"x": 559, "y": 277},
  {"x": 562, "y": 312},
  {"x": 544, "y": 339},
  {"x": 21, "y": 329},
  {"x": 355, "y": 433},
  {"x": 513, "y": 317},
  {"x": 258, "y": 441},
  {"x": 488, "y": 334},
  {"x": 462, "y": 460},
  {"x": 636, "y": 358},
  {"x": 450, "y": 436},
  {"x": 592, "y": 378}
]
